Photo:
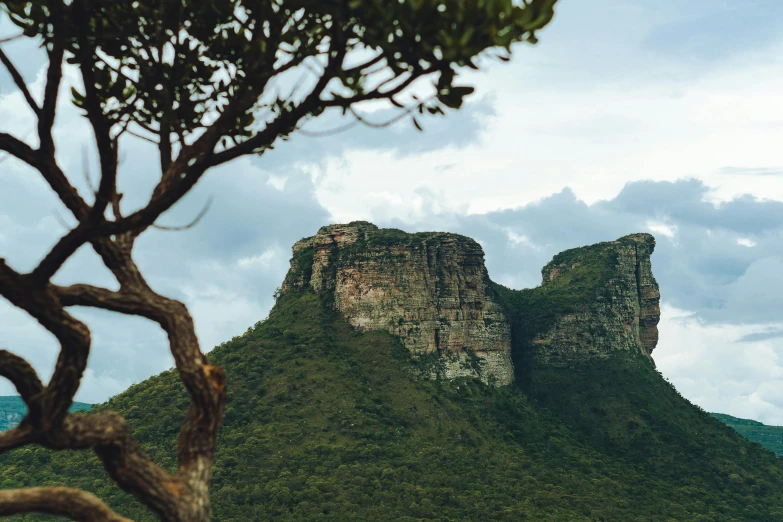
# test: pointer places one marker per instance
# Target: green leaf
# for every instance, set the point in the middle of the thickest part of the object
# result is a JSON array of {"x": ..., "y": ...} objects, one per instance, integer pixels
[{"x": 77, "y": 96}]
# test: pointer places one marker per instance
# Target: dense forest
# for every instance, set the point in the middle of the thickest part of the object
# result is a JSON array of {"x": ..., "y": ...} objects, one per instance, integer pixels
[
  {"x": 771, "y": 437},
  {"x": 325, "y": 422}
]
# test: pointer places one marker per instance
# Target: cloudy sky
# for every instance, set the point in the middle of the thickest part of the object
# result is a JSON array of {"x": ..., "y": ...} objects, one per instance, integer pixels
[{"x": 655, "y": 115}]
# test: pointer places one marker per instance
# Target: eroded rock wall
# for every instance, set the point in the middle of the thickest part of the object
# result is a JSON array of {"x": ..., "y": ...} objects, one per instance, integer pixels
[
  {"x": 430, "y": 289},
  {"x": 620, "y": 314}
]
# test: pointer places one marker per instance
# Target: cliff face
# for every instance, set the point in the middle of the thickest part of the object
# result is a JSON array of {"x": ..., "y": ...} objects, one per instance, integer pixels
[
  {"x": 615, "y": 308},
  {"x": 433, "y": 292},
  {"x": 430, "y": 289}
]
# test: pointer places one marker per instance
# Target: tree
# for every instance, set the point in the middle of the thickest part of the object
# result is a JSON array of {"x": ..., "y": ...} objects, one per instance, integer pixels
[{"x": 204, "y": 81}]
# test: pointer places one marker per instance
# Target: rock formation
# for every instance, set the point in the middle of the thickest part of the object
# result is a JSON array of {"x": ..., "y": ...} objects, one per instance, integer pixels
[
  {"x": 430, "y": 289},
  {"x": 433, "y": 292},
  {"x": 619, "y": 313}
]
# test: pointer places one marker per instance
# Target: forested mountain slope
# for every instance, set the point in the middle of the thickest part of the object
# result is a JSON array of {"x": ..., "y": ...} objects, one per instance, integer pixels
[
  {"x": 329, "y": 420},
  {"x": 771, "y": 437}
]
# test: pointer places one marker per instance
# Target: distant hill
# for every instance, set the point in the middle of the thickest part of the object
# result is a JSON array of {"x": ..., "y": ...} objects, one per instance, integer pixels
[
  {"x": 13, "y": 409},
  {"x": 771, "y": 437},
  {"x": 379, "y": 389}
]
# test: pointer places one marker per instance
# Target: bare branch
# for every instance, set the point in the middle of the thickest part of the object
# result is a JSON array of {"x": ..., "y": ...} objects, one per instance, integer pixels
[
  {"x": 46, "y": 116},
  {"x": 192, "y": 224},
  {"x": 377, "y": 94},
  {"x": 50, "y": 171},
  {"x": 101, "y": 126},
  {"x": 16, "y": 147},
  {"x": 329, "y": 132},
  {"x": 15, "y": 437},
  {"x": 369, "y": 63},
  {"x": 125, "y": 301},
  {"x": 21, "y": 374},
  {"x": 76, "y": 504},
  {"x": 109, "y": 435},
  {"x": 62, "y": 250},
  {"x": 197, "y": 157},
  {"x": 390, "y": 121},
  {"x": 74, "y": 338},
  {"x": 11, "y": 38},
  {"x": 285, "y": 123},
  {"x": 204, "y": 382},
  {"x": 137, "y": 135},
  {"x": 61, "y": 220},
  {"x": 19, "y": 81}
]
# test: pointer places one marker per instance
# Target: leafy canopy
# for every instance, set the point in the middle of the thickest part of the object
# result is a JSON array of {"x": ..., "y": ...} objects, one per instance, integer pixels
[{"x": 174, "y": 65}]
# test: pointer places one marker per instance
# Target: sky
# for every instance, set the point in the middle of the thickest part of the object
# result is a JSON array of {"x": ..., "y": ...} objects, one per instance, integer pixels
[{"x": 660, "y": 116}]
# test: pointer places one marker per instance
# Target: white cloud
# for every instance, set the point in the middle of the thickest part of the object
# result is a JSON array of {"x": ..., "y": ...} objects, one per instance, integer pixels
[
  {"x": 656, "y": 227},
  {"x": 277, "y": 182},
  {"x": 263, "y": 260},
  {"x": 95, "y": 387},
  {"x": 519, "y": 239},
  {"x": 708, "y": 366},
  {"x": 220, "y": 314},
  {"x": 592, "y": 136}
]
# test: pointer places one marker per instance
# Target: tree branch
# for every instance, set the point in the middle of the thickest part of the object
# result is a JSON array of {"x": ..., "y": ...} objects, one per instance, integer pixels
[
  {"x": 46, "y": 116},
  {"x": 193, "y": 222},
  {"x": 11, "y": 38},
  {"x": 109, "y": 435},
  {"x": 377, "y": 94},
  {"x": 50, "y": 171},
  {"x": 15, "y": 437},
  {"x": 76, "y": 504},
  {"x": 74, "y": 338},
  {"x": 49, "y": 422},
  {"x": 19, "y": 81},
  {"x": 100, "y": 124},
  {"x": 21, "y": 374},
  {"x": 62, "y": 250},
  {"x": 204, "y": 382},
  {"x": 368, "y": 63},
  {"x": 285, "y": 123},
  {"x": 125, "y": 301},
  {"x": 195, "y": 159}
]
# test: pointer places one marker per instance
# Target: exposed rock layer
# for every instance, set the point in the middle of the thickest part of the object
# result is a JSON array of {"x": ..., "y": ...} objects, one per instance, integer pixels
[
  {"x": 622, "y": 312},
  {"x": 430, "y": 289}
]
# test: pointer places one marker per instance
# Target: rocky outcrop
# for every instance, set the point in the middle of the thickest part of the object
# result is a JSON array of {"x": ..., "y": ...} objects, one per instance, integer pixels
[
  {"x": 430, "y": 289},
  {"x": 433, "y": 292},
  {"x": 615, "y": 302}
]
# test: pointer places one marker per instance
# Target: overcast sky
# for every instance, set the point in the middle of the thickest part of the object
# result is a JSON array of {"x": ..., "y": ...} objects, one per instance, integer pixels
[{"x": 654, "y": 115}]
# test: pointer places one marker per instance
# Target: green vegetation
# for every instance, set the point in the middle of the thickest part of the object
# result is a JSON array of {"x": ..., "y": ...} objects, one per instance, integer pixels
[
  {"x": 13, "y": 409},
  {"x": 535, "y": 310},
  {"x": 327, "y": 423},
  {"x": 770, "y": 437}
]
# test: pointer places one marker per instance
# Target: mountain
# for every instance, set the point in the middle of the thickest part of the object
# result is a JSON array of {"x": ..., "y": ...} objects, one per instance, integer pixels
[
  {"x": 13, "y": 408},
  {"x": 393, "y": 380},
  {"x": 771, "y": 437}
]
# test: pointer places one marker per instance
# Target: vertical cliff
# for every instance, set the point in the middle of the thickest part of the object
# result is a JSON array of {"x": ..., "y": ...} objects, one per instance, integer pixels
[
  {"x": 430, "y": 289},
  {"x": 594, "y": 301},
  {"x": 433, "y": 292}
]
